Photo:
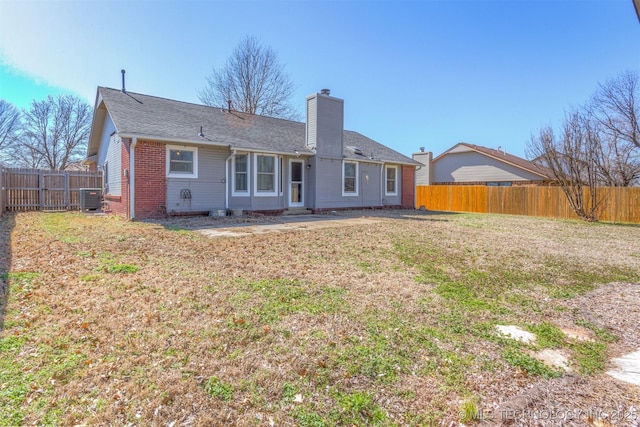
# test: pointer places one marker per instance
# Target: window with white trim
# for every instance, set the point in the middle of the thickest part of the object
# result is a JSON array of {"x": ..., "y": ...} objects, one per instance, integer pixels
[
  {"x": 266, "y": 175},
  {"x": 391, "y": 181},
  {"x": 182, "y": 162},
  {"x": 241, "y": 175},
  {"x": 350, "y": 179}
]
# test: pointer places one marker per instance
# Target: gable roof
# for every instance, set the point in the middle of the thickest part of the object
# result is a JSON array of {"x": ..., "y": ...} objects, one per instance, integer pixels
[
  {"x": 501, "y": 156},
  {"x": 151, "y": 117}
]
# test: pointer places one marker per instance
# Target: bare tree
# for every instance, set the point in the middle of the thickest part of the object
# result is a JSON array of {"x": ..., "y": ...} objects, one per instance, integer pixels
[
  {"x": 618, "y": 162},
  {"x": 55, "y": 132},
  {"x": 616, "y": 106},
  {"x": 253, "y": 80},
  {"x": 572, "y": 161},
  {"x": 9, "y": 124},
  {"x": 615, "y": 110}
]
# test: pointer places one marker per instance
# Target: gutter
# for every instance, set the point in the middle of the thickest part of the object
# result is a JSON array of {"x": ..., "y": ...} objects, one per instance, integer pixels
[
  {"x": 199, "y": 141},
  {"x": 132, "y": 180}
]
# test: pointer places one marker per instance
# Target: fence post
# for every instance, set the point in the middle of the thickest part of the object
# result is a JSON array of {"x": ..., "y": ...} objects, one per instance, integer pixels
[{"x": 67, "y": 195}]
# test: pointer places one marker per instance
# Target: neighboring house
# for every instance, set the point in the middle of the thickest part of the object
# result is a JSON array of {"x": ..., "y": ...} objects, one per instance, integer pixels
[
  {"x": 161, "y": 156},
  {"x": 468, "y": 164},
  {"x": 76, "y": 167}
]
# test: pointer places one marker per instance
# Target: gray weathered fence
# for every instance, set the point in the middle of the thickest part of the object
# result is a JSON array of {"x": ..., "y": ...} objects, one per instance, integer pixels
[{"x": 37, "y": 189}]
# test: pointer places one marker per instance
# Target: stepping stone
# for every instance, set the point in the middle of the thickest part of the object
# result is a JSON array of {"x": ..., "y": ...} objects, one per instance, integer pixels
[
  {"x": 516, "y": 333},
  {"x": 553, "y": 358},
  {"x": 628, "y": 368}
]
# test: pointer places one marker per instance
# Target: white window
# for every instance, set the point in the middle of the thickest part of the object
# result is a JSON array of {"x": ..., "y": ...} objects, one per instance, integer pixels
[
  {"x": 391, "y": 183},
  {"x": 266, "y": 175},
  {"x": 182, "y": 162},
  {"x": 350, "y": 179},
  {"x": 241, "y": 175}
]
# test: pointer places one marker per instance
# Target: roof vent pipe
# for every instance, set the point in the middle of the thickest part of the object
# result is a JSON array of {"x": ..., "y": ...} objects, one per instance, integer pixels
[
  {"x": 325, "y": 92},
  {"x": 229, "y": 103},
  {"x": 123, "y": 89}
]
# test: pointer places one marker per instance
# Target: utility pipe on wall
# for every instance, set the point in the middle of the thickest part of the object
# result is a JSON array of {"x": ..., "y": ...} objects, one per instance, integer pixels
[
  {"x": 227, "y": 181},
  {"x": 132, "y": 179}
]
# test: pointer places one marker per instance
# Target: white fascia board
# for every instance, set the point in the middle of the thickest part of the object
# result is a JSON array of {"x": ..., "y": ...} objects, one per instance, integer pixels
[
  {"x": 146, "y": 137},
  {"x": 260, "y": 150}
]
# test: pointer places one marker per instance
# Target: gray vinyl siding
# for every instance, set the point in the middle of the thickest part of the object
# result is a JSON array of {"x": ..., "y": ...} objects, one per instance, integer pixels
[
  {"x": 113, "y": 181},
  {"x": 475, "y": 167},
  {"x": 328, "y": 190},
  {"x": 326, "y": 124},
  {"x": 312, "y": 123},
  {"x": 251, "y": 202},
  {"x": 207, "y": 191},
  {"x": 107, "y": 129},
  {"x": 423, "y": 173},
  {"x": 389, "y": 200}
]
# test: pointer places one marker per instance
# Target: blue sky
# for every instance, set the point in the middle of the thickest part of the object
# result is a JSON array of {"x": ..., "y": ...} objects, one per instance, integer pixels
[{"x": 412, "y": 73}]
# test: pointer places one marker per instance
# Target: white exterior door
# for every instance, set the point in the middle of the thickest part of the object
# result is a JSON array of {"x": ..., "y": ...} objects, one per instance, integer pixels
[{"x": 296, "y": 183}]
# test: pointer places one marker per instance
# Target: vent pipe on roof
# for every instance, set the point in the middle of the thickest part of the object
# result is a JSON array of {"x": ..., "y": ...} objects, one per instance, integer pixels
[
  {"x": 201, "y": 135},
  {"x": 229, "y": 103},
  {"x": 123, "y": 89},
  {"x": 325, "y": 92}
]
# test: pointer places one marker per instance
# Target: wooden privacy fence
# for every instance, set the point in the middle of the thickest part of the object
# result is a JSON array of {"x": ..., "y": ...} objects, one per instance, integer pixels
[
  {"x": 618, "y": 204},
  {"x": 37, "y": 189}
]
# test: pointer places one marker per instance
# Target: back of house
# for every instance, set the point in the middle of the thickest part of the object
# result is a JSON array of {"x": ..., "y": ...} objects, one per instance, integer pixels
[{"x": 165, "y": 157}]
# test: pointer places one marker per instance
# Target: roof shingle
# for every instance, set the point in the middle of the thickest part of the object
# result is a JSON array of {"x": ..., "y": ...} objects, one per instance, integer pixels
[{"x": 138, "y": 114}]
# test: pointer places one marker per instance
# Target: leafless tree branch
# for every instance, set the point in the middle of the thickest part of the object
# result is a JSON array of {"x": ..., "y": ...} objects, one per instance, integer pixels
[
  {"x": 55, "y": 131},
  {"x": 253, "y": 80}
]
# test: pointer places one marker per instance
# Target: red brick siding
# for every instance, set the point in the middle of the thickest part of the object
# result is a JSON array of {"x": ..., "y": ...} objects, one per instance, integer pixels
[
  {"x": 120, "y": 205},
  {"x": 408, "y": 187},
  {"x": 151, "y": 180}
]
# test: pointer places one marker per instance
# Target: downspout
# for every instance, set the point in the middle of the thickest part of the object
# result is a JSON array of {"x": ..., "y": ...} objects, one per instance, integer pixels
[
  {"x": 226, "y": 176},
  {"x": 415, "y": 187},
  {"x": 383, "y": 182},
  {"x": 132, "y": 179}
]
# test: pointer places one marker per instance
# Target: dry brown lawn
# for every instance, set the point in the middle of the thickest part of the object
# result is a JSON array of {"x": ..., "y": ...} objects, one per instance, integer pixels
[{"x": 108, "y": 322}]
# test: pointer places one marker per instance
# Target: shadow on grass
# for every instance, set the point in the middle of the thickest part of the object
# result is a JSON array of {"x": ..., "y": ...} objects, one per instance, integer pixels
[{"x": 7, "y": 222}]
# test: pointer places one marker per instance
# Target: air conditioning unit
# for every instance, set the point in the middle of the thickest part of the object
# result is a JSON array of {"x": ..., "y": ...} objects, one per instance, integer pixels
[{"x": 90, "y": 199}]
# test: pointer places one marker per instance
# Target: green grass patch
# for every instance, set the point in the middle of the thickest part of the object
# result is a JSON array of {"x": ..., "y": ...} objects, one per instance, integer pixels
[
  {"x": 221, "y": 390},
  {"x": 59, "y": 226},
  {"x": 590, "y": 357},
  {"x": 121, "y": 268},
  {"x": 529, "y": 364},
  {"x": 271, "y": 300},
  {"x": 548, "y": 335},
  {"x": 358, "y": 408}
]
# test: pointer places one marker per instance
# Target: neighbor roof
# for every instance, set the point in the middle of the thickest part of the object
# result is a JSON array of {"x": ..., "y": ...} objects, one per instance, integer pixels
[
  {"x": 502, "y": 156},
  {"x": 150, "y": 117}
]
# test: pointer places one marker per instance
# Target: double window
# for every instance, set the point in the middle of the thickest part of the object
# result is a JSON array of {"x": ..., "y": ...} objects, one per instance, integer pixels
[
  {"x": 350, "y": 179},
  {"x": 391, "y": 176},
  {"x": 182, "y": 162},
  {"x": 265, "y": 174}
]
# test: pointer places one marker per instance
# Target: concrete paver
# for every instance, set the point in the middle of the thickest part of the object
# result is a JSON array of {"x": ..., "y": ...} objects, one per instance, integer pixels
[{"x": 292, "y": 223}]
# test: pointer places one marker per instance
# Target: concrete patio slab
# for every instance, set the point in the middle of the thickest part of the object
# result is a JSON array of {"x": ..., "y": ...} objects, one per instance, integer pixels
[
  {"x": 285, "y": 224},
  {"x": 627, "y": 368}
]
